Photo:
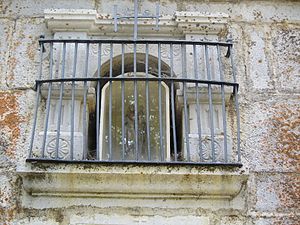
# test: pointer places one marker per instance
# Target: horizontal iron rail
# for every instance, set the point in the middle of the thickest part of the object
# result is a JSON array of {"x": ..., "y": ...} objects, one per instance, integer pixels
[
  {"x": 128, "y": 162},
  {"x": 164, "y": 79},
  {"x": 120, "y": 41}
]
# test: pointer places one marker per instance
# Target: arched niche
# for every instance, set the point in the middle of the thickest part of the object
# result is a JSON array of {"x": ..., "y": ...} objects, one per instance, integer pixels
[
  {"x": 129, "y": 65},
  {"x": 123, "y": 146},
  {"x": 116, "y": 120}
]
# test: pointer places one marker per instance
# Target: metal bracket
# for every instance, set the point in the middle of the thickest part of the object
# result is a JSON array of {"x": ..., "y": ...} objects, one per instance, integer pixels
[
  {"x": 43, "y": 47},
  {"x": 228, "y": 52},
  {"x": 229, "y": 40}
]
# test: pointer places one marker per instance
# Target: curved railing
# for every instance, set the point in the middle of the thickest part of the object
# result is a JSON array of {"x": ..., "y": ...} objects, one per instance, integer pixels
[{"x": 146, "y": 101}]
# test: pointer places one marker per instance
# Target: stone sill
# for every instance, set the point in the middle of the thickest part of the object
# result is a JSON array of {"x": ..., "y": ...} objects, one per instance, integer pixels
[{"x": 131, "y": 181}]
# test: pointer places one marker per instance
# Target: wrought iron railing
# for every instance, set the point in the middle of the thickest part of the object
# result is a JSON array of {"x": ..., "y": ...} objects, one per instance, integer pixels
[{"x": 144, "y": 101}]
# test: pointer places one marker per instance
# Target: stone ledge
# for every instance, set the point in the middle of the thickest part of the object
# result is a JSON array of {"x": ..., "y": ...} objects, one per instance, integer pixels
[{"x": 136, "y": 182}]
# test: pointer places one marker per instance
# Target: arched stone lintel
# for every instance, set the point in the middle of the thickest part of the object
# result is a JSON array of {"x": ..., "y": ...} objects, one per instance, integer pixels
[{"x": 129, "y": 65}]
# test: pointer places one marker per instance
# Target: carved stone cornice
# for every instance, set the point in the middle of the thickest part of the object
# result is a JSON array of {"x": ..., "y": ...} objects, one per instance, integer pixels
[
  {"x": 176, "y": 25},
  {"x": 84, "y": 181},
  {"x": 200, "y": 23}
]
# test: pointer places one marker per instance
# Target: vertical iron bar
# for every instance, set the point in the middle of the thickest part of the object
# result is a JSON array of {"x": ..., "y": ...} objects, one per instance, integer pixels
[
  {"x": 162, "y": 150},
  {"x": 48, "y": 105},
  {"x": 35, "y": 118},
  {"x": 173, "y": 104},
  {"x": 115, "y": 19},
  {"x": 110, "y": 102},
  {"x": 85, "y": 102},
  {"x": 211, "y": 110},
  {"x": 223, "y": 105},
  {"x": 236, "y": 104},
  {"x": 197, "y": 102},
  {"x": 135, "y": 82},
  {"x": 37, "y": 99},
  {"x": 157, "y": 16},
  {"x": 183, "y": 62},
  {"x": 60, "y": 101},
  {"x": 98, "y": 103},
  {"x": 135, "y": 106},
  {"x": 73, "y": 100},
  {"x": 135, "y": 20},
  {"x": 123, "y": 104},
  {"x": 147, "y": 102}
]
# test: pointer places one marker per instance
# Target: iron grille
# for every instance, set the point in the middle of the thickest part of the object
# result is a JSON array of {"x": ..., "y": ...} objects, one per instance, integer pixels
[{"x": 140, "y": 101}]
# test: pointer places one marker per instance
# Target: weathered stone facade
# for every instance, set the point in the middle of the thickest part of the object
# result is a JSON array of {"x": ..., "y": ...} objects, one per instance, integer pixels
[{"x": 266, "y": 38}]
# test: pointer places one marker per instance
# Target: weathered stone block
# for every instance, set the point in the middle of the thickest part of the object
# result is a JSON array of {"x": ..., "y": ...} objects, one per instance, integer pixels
[
  {"x": 278, "y": 220},
  {"x": 270, "y": 133},
  {"x": 277, "y": 192},
  {"x": 5, "y": 190},
  {"x": 286, "y": 41},
  {"x": 12, "y": 121},
  {"x": 6, "y": 30}
]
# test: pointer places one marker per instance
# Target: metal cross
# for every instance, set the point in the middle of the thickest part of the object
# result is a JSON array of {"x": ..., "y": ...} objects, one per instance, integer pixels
[{"x": 136, "y": 16}]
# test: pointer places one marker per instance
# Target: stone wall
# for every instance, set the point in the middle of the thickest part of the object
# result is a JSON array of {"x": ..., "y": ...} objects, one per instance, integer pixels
[{"x": 267, "y": 55}]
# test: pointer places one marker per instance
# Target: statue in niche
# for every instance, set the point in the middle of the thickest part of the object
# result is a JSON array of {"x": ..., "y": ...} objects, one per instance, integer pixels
[{"x": 130, "y": 148}]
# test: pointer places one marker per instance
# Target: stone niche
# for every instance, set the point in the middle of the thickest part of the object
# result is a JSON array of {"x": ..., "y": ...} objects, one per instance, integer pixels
[{"x": 63, "y": 185}]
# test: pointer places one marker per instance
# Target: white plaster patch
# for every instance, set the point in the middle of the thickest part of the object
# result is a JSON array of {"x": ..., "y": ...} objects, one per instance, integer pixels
[
  {"x": 264, "y": 221},
  {"x": 101, "y": 219},
  {"x": 36, "y": 221}
]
